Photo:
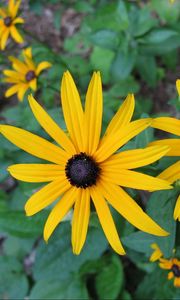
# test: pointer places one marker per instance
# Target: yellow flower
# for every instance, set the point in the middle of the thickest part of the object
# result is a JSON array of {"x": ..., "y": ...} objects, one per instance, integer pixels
[
  {"x": 178, "y": 86},
  {"x": 172, "y": 173},
  {"x": 174, "y": 265},
  {"x": 84, "y": 167},
  {"x": 157, "y": 253},
  {"x": 8, "y": 23},
  {"x": 24, "y": 75}
]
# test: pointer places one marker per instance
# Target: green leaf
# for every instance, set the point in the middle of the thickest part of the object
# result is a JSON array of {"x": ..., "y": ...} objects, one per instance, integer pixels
[
  {"x": 146, "y": 66},
  {"x": 13, "y": 284},
  {"x": 105, "y": 38},
  {"x": 109, "y": 280},
  {"x": 101, "y": 60},
  {"x": 143, "y": 22},
  {"x": 123, "y": 64},
  {"x": 139, "y": 241},
  {"x": 56, "y": 259},
  {"x": 70, "y": 288},
  {"x": 159, "y": 35}
]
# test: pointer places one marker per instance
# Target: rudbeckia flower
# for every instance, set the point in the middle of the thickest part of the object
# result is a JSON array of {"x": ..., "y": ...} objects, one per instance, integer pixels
[
  {"x": 172, "y": 173},
  {"x": 173, "y": 265},
  {"x": 24, "y": 75},
  {"x": 83, "y": 166},
  {"x": 8, "y": 23},
  {"x": 157, "y": 253}
]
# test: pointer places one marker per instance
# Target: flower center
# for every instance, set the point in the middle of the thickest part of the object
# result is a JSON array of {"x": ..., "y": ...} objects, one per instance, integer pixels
[
  {"x": 176, "y": 270},
  {"x": 82, "y": 171},
  {"x": 30, "y": 75},
  {"x": 7, "y": 21}
]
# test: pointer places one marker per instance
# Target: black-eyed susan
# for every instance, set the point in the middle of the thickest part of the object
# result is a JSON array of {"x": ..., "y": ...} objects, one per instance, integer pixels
[
  {"x": 8, "y": 23},
  {"x": 157, "y": 253},
  {"x": 84, "y": 167},
  {"x": 24, "y": 75},
  {"x": 172, "y": 173},
  {"x": 173, "y": 265}
]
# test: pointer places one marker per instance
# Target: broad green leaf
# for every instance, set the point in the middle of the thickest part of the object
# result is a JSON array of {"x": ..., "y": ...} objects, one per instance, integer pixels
[
  {"x": 147, "y": 68},
  {"x": 105, "y": 38},
  {"x": 139, "y": 241},
  {"x": 70, "y": 288},
  {"x": 159, "y": 35},
  {"x": 109, "y": 280}
]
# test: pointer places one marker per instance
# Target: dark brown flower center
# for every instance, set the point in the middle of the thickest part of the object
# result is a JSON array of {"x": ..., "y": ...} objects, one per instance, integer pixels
[
  {"x": 176, "y": 270},
  {"x": 82, "y": 171},
  {"x": 7, "y": 21},
  {"x": 30, "y": 75}
]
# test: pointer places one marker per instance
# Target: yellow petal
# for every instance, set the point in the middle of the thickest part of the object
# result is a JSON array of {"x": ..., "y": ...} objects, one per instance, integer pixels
[
  {"x": 34, "y": 144},
  {"x": 47, "y": 195},
  {"x": 157, "y": 253},
  {"x": 172, "y": 173},
  {"x": 14, "y": 7},
  {"x": 177, "y": 282},
  {"x": 14, "y": 74},
  {"x": 80, "y": 220},
  {"x": 15, "y": 34},
  {"x": 18, "y": 65},
  {"x": 33, "y": 84},
  {"x": 165, "y": 264},
  {"x": 132, "y": 159},
  {"x": 123, "y": 115},
  {"x": 12, "y": 90},
  {"x": 106, "y": 220},
  {"x": 50, "y": 126},
  {"x": 73, "y": 112},
  {"x": 178, "y": 86},
  {"x": 18, "y": 21},
  {"x": 10, "y": 80},
  {"x": 27, "y": 52},
  {"x": 22, "y": 90},
  {"x": 170, "y": 275},
  {"x": 112, "y": 142},
  {"x": 36, "y": 172},
  {"x": 11, "y": 6},
  {"x": 42, "y": 66},
  {"x": 59, "y": 211},
  {"x": 174, "y": 145},
  {"x": 168, "y": 124},
  {"x": 4, "y": 38},
  {"x": 3, "y": 13},
  {"x": 129, "y": 209},
  {"x": 134, "y": 179},
  {"x": 93, "y": 113},
  {"x": 177, "y": 209}
]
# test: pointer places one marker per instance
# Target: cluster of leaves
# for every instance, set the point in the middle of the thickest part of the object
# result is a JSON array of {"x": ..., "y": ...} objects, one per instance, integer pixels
[{"x": 129, "y": 43}]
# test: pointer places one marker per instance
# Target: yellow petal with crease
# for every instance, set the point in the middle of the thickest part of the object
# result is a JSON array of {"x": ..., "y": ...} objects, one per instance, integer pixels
[
  {"x": 18, "y": 21},
  {"x": 4, "y": 38},
  {"x": 177, "y": 209},
  {"x": 47, "y": 195},
  {"x": 36, "y": 172},
  {"x": 50, "y": 126},
  {"x": 129, "y": 209},
  {"x": 10, "y": 80},
  {"x": 11, "y": 6},
  {"x": 16, "y": 36},
  {"x": 42, "y": 66},
  {"x": 34, "y": 144},
  {"x": 14, "y": 74},
  {"x": 134, "y": 179},
  {"x": 72, "y": 110},
  {"x": 168, "y": 124},
  {"x": 106, "y": 220},
  {"x": 132, "y": 159},
  {"x": 174, "y": 145},
  {"x": 12, "y": 90},
  {"x": 172, "y": 173},
  {"x": 111, "y": 143},
  {"x": 33, "y": 84},
  {"x": 27, "y": 52},
  {"x": 80, "y": 220},
  {"x": 3, "y": 13},
  {"x": 59, "y": 211},
  {"x": 18, "y": 65},
  {"x": 123, "y": 115},
  {"x": 93, "y": 113},
  {"x": 22, "y": 90},
  {"x": 16, "y": 8}
]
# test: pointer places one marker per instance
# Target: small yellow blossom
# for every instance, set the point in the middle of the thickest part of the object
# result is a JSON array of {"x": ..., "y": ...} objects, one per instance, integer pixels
[
  {"x": 8, "y": 22},
  {"x": 24, "y": 75},
  {"x": 157, "y": 253},
  {"x": 173, "y": 265}
]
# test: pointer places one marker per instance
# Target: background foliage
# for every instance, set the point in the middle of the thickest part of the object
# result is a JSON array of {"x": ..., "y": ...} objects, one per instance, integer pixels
[{"x": 135, "y": 45}]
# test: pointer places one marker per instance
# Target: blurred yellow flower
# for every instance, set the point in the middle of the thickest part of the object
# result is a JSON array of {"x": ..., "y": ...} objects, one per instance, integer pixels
[
  {"x": 24, "y": 75},
  {"x": 8, "y": 21},
  {"x": 157, "y": 253},
  {"x": 173, "y": 265},
  {"x": 84, "y": 167},
  {"x": 172, "y": 173}
]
